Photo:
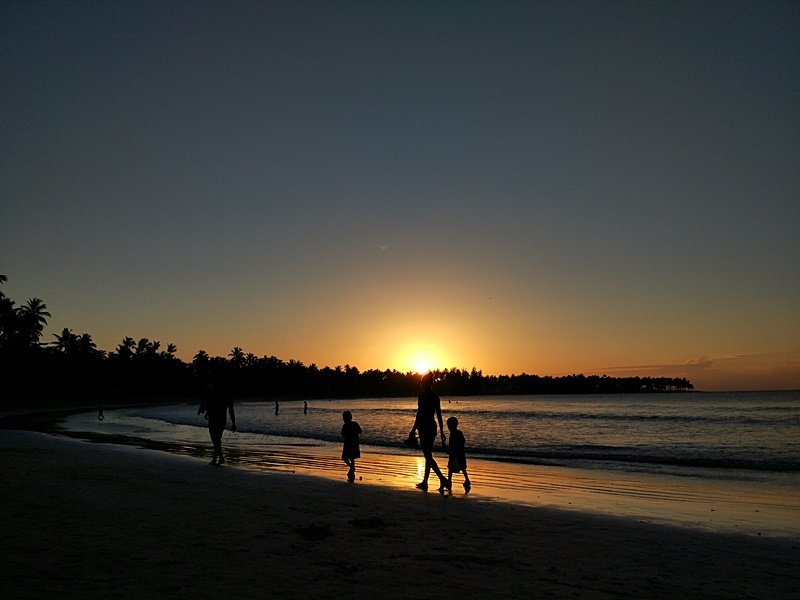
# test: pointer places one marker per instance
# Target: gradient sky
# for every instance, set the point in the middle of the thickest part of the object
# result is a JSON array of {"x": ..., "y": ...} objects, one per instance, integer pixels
[{"x": 540, "y": 187}]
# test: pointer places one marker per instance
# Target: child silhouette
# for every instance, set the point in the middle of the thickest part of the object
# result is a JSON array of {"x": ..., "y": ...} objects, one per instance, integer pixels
[
  {"x": 458, "y": 458},
  {"x": 350, "y": 451}
]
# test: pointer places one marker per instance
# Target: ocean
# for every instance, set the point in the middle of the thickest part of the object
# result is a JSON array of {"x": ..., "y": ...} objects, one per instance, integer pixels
[{"x": 740, "y": 451}]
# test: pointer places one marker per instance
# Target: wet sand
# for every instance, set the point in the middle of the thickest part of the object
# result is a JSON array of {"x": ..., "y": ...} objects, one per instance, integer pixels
[
  {"x": 88, "y": 520},
  {"x": 725, "y": 506},
  {"x": 739, "y": 503}
]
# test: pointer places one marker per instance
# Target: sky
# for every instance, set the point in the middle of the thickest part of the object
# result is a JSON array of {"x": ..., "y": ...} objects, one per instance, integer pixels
[{"x": 521, "y": 187}]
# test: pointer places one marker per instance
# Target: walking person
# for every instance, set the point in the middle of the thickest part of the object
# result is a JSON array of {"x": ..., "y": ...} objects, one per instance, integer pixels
[
  {"x": 214, "y": 406},
  {"x": 428, "y": 405},
  {"x": 457, "y": 462},
  {"x": 351, "y": 450}
]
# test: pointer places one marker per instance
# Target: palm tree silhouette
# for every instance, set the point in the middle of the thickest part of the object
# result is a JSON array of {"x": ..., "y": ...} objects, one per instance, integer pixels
[
  {"x": 86, "y": 346},
  {"x": 66, "y": 342},
  {"x": 125, "y": 349},
  {"x": 8, "y": 317},
  {"x": 33, "y": 319},
  {"x": 200, "y": 359},
  {"x": 237, "y": 356},
  {"x": 147, "y": 349}
]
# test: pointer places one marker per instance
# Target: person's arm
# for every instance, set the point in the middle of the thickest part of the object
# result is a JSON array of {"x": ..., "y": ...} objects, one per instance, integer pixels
[
  {"x": 439, "y": 417},
  {"x": 233, "y": 417},
  {"x": 414, "y": 424}
]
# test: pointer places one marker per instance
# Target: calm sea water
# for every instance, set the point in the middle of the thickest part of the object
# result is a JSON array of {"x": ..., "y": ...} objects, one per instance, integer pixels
[{"x": 718, "y": 435}]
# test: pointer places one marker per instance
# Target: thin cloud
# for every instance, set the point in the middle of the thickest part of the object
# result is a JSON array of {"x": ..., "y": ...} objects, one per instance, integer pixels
[{"x": 704, "y": 362}]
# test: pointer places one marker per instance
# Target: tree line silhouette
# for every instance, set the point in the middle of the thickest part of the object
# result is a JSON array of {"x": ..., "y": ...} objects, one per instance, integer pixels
[{"x": 71, "y": 366}]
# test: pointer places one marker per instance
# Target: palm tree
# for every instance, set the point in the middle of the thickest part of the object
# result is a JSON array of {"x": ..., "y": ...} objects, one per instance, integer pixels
[
  {"x": 147, "y": 349},
  {"x": 237, "y": 356},
  {"x": 200, "y": 359},
  {"x": 34, "y": 317},
  {"x": 86, "y": 345},
  {"x": 9, "y": 319},
  {"x": 125, "y": 349},
  {"x": 169, "y": 354},
  {"x": 66, "y": 342}
]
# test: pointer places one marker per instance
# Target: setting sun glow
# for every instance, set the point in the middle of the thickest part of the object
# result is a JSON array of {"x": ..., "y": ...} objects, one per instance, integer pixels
[
  {"x": 421, "y": 364},
  {"x": 421, "y": 359}
]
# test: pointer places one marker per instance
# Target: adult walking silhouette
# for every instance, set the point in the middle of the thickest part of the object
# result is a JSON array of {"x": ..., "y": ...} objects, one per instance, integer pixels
[
  {"x": 215, "y": 404},
  {"x": 428, "y": 405}
]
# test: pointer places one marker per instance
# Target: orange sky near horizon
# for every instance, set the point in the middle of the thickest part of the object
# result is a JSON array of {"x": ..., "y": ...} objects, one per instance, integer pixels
[{"x": 508, "y": 339}]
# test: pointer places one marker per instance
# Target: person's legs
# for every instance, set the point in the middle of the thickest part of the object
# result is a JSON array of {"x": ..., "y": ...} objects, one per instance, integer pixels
[
  {"x": 214, "y": 445},
  {"x": 430, "y": 463},
  {"x": 427, "y": 453},
  {"x": 351, "y": 470},
  {"x": 216, "y": 439},
  {"x": 467, "y": 484},
  {"x": 427, "y": 435}
]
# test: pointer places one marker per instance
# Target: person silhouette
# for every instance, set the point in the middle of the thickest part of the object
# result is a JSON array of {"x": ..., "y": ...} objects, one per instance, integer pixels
[
  {"x": 305, "y": 407},
  {"x": 277, "y": 407},
  {"x": 428, "y": 405},
  {"x": 457, "y": 462},
  {"x": 350, "y": 451},
  {"x": 214, "y": 405}
]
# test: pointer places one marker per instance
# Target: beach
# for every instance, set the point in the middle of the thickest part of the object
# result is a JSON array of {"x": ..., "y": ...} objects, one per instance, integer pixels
[{"x": 87, "y": 520}]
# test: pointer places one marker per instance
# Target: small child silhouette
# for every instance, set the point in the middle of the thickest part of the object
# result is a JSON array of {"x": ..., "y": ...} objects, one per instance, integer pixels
[
  {"x": 350, "y": 451},
  {"x": 458, "y": 458}
]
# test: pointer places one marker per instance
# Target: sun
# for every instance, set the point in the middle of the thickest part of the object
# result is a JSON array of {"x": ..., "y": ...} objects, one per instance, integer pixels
[
  {"x": 421, "y": 355},
  {"x": 421, "y": 364},
  {"x": 422, "y": 360}
]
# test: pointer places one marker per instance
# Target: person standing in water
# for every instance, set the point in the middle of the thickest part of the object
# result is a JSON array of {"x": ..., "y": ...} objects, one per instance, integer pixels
[
  {"x": 428, "y": 405},
  {"x": 216, "y": 403},
  {"x": 351, "y": 450}
]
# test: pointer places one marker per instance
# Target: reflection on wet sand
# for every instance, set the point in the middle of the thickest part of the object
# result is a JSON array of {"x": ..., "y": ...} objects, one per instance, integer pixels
[{"x": 745, "y": 507}]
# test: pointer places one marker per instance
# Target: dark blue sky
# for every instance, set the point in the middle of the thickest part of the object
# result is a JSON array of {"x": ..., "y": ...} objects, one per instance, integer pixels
[{"x": 543, "y": 187}]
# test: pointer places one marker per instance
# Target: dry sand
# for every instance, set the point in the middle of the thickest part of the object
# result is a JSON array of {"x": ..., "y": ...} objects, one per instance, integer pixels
[{"x": 88, "y": 520}]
